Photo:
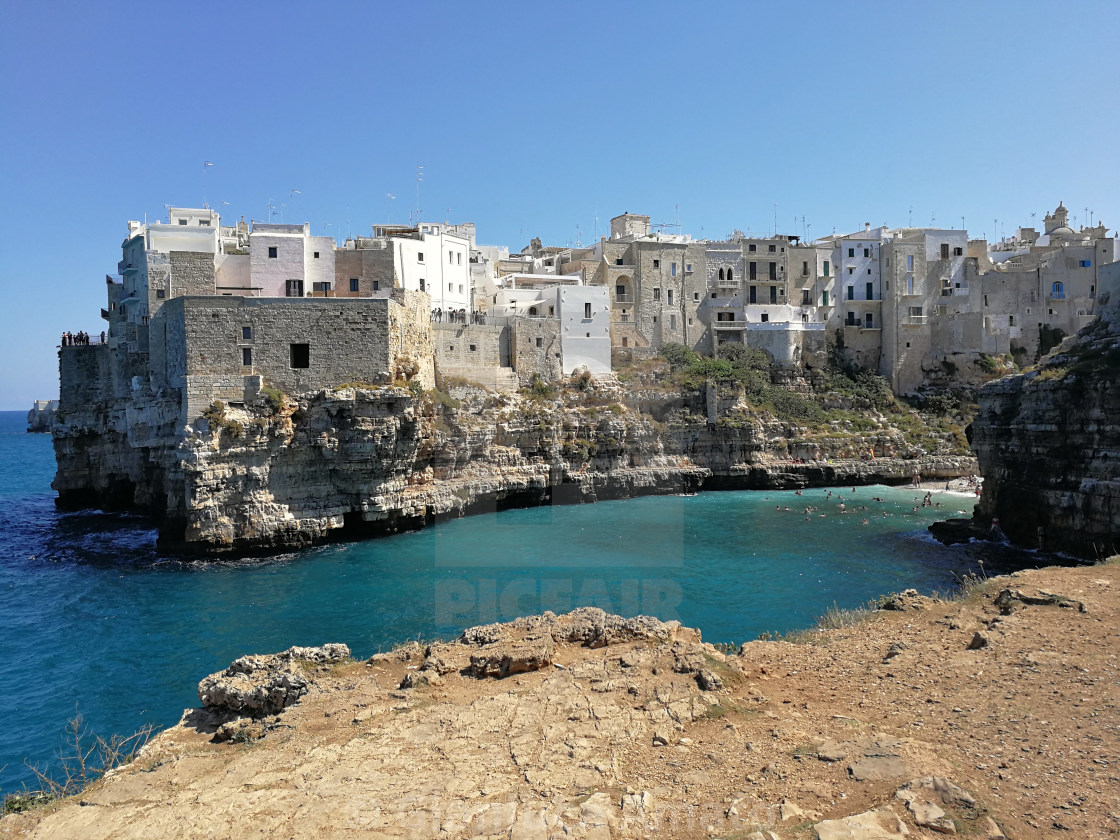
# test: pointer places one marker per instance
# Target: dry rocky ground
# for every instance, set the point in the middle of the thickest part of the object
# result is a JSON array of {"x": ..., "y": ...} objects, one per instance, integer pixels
[{"x": 992, "y": 716}]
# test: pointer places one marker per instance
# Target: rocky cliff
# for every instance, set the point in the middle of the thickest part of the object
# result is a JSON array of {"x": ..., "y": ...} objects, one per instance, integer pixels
[
  {"x": 288, "y": 471},
  {"x": 1048, "y": 444}
]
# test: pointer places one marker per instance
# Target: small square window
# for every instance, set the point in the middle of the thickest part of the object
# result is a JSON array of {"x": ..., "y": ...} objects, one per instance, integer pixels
[
  {"x": 765, "y": 317},
  {"x": 696, "y": 296},
  {"x": 272, "y": 252},
  {"x": 657, "y": 263},
  {"x": 316, "y": 255},
  {"x": 688, "y": 266},
  {"x": 752, "y": 247},
  {"x": 353, "y": 284},
  {"x": 473, "y": 348},
  {"x": 851, "y": 252},
  {"x": 540, "y": 341},
  {"x": 376, "y": 285},
  {"x": 300, "y": 355},
  {"x": 246, "y": 356},
  {"x": 419, "y": 256},
  {"x": 772, "y": 248},
  {"x": 160, "y": 293},
  {"x": 247, "y": 333},
  {"x": 182, "y": 221}
]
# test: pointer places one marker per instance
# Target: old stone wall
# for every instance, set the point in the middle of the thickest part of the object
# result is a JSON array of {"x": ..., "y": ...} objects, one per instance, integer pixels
[
  {"x": 412, "y": 354},
  {"x": 339, "y": 341},
  {"x": 192, "y": 273},
  {"x": 83, "y": 375},
  {"x": 371, "y": 266},
  {"x": 463, "y": 347},
  {"x": 537, "y": 349}
]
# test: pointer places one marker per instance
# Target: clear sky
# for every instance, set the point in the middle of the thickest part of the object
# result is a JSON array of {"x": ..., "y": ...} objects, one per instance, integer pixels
[{"x": 532, "y": 119}]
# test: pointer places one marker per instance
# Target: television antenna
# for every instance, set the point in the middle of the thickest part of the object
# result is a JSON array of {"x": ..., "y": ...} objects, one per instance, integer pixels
[
  {"x": 419, "y": 178},
  {"x": 205, "y": 165},
  {"x": 389, "y": 212}
]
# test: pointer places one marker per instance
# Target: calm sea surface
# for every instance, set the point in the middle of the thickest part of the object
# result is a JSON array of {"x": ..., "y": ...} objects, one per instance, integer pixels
[{"x": 93, "y": 618}]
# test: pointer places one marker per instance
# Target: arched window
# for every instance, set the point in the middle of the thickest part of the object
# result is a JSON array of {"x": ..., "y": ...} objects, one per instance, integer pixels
[
  {"x": 532, "y": 312},
  {"x": 729, "y": 277},
  {"x": 721, "y": 275}
]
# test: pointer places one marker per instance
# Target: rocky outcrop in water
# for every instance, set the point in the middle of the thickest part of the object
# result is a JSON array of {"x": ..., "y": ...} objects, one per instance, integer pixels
[{"x": 1048, "y": 444}]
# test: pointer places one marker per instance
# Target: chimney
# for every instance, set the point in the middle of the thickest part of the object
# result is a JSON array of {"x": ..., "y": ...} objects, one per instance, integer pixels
[{"x": 867, "y": 227}]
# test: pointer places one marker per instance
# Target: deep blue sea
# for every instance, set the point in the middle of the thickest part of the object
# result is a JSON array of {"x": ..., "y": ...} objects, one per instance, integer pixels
[{"x": 93, "y": 618}]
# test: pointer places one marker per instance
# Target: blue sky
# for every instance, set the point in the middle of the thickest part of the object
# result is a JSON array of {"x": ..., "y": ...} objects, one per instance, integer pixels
[{"x": 531, "y": 120}]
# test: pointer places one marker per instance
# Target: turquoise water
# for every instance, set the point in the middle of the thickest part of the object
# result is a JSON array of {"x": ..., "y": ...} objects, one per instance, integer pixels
[{"x": 94, "y": 618}]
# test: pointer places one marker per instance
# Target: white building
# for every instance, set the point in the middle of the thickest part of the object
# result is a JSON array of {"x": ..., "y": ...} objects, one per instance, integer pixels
[
  {"x": 583, "y": 312},
  {"x": 287, "y": 261},
  {"x": 436, "y": 262}
]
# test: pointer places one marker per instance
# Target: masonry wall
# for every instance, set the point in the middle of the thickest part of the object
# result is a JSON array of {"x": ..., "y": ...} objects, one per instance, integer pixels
[
  {"x": 348, "y": 341},
  {"x": 83, "y": 375},
  {"x": 545, "y": 360},
  {"x": 369, "y": 265},
  {"x": 410, "y": 348},
  {"x": 460, "y": 348}
]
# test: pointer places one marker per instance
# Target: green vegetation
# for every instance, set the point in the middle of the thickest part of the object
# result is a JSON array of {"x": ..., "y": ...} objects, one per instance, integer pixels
[
  {"x": 216, "y": 416},
  {"x": 274, "y": 397}
]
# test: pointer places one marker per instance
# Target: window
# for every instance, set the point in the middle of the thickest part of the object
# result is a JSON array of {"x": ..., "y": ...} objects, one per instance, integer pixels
[
  {"x": 672, "y": 323},
  {"x": 1011, "y": 320},
  {"x": 460, "y": 288},
  {"x": 160, "y": 293},
  {"x": 300, "y": 355},
  {"x": 450, "y": 287},
  {"x": 272, "y": 252},
  {"x": 869, "y": 271},
  {"x": 771, "y": 249},
  {"x": 773, "y": 271},
  {"x": 851, "y": 252},
  {"x": 944, "y": 250},
  {"x": 824, "y": 298},
  {"x": 915, "y": 311},
  {"x": 587, "y": 310},
  {"x": 868, "y": 322},
  {"x": 657, "y": 294},
  {"x": 419, "y": 256},
  {"x": 695, "y": 297},
  {"x": 985, "y": 300},
  {"x": 804, "y": 297},
  {"x": 909, "y": 262},
  {"x": 752, "y": 247},
  {"x": 657, "y": 263},
  {"x": 376, "y": 285},
  {"x": 540, "y": 341},
  {"x": 826, "y": 268},
  {"x": 752, "y": 294},
  {"x": 887, "y": 285},
  {"x": 246, "y": 356},
  {"x": 618, "y": 261},
  {"x": 625, "y": 343},
  {"x": 958, "y": 252},
  {"x": 851, "y": 292},
  {"x": 320, "y": 287},
  {"x": 353, "y": 284},
  {"x": 851, "y": 270},
  {"x": 294, "y": 288},
  {"x": 765, "y": 317},
  {"x": 721, "y": 275},
  {"x": 450, "y": 258},
  {"x": 620, "y": 292},
  {"x": 688, "y": 268},
  {"x": 670, "y": 296},
  {"x": 458, "y": 258},
  {"x": 866, "y": 252},
  {"x": 909, "y": 285},
  {"x": 422, "y": 284},
  {"x": 713, "y": 294},
  {"x": 182, "y": 221},
  {"x": 752, "y": 269},
  {"x": 672, "y": 269},
  {"x": 730, "y": 277},
  {"x": 773, "y": 294},
  {"x": 246, "y": 333},
  {"x": 316, "y": 255},
  {"x": 1084, "y": 263},
  {"x": 870, "y": 291},
  {"x": 805, "y": 268},
  {"x": 473, "y": 348}
]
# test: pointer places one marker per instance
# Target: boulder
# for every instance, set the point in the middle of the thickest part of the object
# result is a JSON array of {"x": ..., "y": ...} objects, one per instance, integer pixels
[{"x": 263, "y": 685}]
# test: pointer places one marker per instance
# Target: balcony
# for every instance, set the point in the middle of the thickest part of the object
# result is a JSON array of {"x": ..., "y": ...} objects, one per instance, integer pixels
[
  {"x": 1061, "y": 295},
  {"x": 914, "y": 320},
  {"x": 623, "y": 300},
  {"x": 729, "y": 325}
]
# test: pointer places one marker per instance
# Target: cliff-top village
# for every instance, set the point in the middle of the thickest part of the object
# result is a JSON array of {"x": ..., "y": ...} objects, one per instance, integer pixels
[{"x": 216, "y": 310}]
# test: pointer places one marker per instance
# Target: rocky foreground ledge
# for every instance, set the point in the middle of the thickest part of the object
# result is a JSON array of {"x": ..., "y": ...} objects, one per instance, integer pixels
[{"x": 992, "y": 716}]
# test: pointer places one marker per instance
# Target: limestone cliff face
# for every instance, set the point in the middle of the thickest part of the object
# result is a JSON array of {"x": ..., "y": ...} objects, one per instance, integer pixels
[
  {"x": 361, "y": 461},
  {"x": 1048, "y": 444}
]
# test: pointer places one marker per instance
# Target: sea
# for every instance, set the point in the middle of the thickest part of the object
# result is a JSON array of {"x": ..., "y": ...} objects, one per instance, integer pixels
[{"x": 95, "y": 620}]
